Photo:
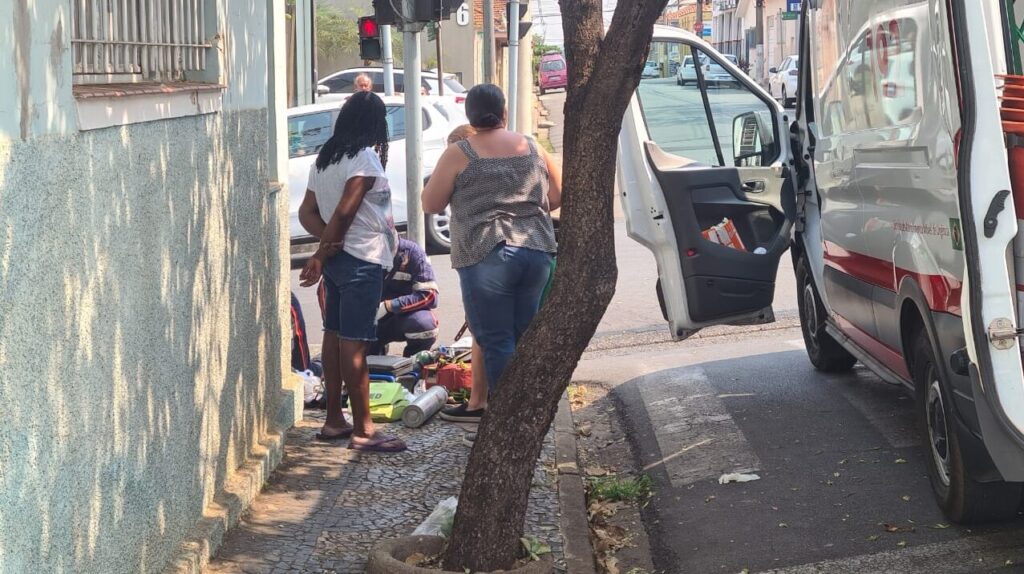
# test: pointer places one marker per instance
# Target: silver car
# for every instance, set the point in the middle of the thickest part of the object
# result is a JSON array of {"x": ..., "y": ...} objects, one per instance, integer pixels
[{"x": 714, "y": 73}]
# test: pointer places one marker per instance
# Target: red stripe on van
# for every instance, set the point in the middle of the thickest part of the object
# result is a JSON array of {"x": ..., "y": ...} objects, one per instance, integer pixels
[
  {"x": 877, "y": 349},
  {"x": 940, "y": 291}
]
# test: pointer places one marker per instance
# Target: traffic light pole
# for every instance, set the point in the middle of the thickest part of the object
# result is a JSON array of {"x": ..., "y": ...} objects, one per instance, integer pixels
[
  {"x": 488, "y": 51},
  {"x": 513, "y": 65},
  {"x": 413, "y": 125},
  {"x": 388, "y": 60}
]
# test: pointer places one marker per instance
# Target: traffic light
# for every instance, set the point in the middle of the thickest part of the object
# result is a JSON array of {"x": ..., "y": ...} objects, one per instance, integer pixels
[
  {"x": 369, "y": 38},
  {"x": 423, "y": 10},
  {"x": 524, "y": 27},
  {"x": 384, "y": 11}
]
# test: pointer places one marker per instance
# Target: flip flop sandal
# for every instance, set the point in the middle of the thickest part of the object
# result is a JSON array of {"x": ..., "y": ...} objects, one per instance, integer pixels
[
  {"x": 347, "y": 433},
  {"x": 380, "y": 443}
]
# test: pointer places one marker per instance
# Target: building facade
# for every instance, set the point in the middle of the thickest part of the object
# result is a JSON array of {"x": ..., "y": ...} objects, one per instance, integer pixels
[
  {"x": 143, "y": 307},
  {"x": 735, "y": 25}
]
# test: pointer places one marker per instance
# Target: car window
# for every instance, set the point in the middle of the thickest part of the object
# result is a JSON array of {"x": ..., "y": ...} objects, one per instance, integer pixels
[
  {"x": 396, "y": 122},
  {"x": 340, "y": 84},
  {"x": 454, "y": 85},
  {"x": 784, "y": 65},
  {"x": 552, "y": 65},
  {"x": 378, "y": 81},
  {"x": 677, "y": 120},
  {"x": 307, "y": 133}
]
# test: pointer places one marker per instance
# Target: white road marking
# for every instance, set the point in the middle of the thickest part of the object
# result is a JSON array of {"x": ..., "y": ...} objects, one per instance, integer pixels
[{"x": 697, "y": 438}]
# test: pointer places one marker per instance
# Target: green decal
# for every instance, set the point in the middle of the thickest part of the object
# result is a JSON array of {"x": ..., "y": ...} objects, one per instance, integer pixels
[{"x": 956, "y": 234}]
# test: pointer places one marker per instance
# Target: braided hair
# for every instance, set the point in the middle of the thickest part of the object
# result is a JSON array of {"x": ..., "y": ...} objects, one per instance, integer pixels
[{"x": 362, "y": 123}]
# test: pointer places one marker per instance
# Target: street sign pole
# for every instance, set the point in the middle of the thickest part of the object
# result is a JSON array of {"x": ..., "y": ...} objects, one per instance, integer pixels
[
  {"x": 488, "y": 51},
  {"x": 413, "y": 124},
  {"x": 440, "y": 65},
  {"x": 388, "y": 60}
]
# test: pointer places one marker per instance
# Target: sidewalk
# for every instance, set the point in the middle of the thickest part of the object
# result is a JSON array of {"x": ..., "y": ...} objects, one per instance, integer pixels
[{"x": 326, "y": 505}]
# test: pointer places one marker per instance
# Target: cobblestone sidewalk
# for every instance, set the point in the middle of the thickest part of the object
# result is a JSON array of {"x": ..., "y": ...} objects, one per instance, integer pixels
[{"x": 326, "y": 505}]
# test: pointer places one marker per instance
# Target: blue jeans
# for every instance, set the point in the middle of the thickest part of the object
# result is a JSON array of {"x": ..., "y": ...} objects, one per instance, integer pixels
[{"x": 501, "y": 295}]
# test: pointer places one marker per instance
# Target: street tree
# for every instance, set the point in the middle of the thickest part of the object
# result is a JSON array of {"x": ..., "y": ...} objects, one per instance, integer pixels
[{"x": 604, "y": 70}]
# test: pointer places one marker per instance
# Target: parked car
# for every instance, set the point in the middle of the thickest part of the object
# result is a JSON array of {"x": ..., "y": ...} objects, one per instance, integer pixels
[
  {"x": 310, "y": 126},
  {"x": 651, "y": 70},
  {"x": 334, "y": 86},
  {"x": 891, "y": 189},
  {"x": 783, "y": 80},
  {"x": 713, "y": 72},
  {"x": 552, "y": 73},
  {"x": 453, "y": 108}
]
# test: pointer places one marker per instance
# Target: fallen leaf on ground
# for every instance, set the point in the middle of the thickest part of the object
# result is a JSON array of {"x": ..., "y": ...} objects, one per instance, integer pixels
[
  {"x": 873, "y": 537},
  {"x": 901, "y": 461},
  {"x": 906, "y": 498},
  {"x": 783, "y": 525},
  {"x": 939, "y": 526},
  {"x": 901, "y": 543},
  {"x": 737, "y": 477},
  {"x": 415, "y": 559}
]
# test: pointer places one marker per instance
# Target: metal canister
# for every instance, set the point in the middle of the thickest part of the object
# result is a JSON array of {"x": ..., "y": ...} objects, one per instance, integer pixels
[{"x": 425, "y": 406}]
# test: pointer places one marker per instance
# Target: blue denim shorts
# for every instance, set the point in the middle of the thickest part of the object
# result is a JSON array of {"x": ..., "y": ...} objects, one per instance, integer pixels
[{"x": 352, "y": 293}]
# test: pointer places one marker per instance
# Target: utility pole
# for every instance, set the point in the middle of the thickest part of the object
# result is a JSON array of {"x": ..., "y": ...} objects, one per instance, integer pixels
[
  {"x": 698, "y": 27},
  {"x": 488, "y": 52},
  {"x": 526, "y": 101},
  {"x": 413, "y": 123},
  {"x": 513, "y": 64},
  {"x": 440, "y": 66},
  {"x": 389, "y": 60},
  {"x": 312, "y": 49},
  {"x": 759, "y": 39}
]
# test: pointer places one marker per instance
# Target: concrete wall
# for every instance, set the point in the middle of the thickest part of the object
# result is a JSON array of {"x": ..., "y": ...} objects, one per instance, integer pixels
[{"x": 142, "y": 312}]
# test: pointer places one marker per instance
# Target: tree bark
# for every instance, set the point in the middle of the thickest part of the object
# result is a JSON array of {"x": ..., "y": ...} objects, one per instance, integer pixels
[{"x": 604, "y": 70}]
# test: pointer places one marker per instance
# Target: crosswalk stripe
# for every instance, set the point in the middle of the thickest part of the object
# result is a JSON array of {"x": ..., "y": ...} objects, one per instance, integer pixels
[{"x": 697, "y": 438}]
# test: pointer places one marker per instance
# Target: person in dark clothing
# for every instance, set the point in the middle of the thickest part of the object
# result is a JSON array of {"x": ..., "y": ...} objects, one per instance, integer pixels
[{"x": 406, "y": 312}]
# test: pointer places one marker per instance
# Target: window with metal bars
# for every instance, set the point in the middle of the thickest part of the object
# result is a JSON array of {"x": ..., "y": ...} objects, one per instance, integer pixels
[{"x": 117, "y": 41}]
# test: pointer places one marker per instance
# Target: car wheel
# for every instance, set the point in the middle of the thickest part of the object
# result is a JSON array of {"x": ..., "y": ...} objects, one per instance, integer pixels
[
  {"x": 438, "y": 231},
  {"x": 825, "y": 353},
  {"x": 963, "y": 499},
  {"x": 678, "y": 81},
  {"x": 542, "y": 91}
]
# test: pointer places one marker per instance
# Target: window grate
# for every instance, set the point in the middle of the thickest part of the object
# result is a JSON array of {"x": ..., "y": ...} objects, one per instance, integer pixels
[{"x": 143, "y": 39}]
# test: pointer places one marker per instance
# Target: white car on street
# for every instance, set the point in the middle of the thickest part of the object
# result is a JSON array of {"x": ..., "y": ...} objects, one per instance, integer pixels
[
  {"x": 714, "y": 74},
  {"x": 335, "y": 86},
  {"x": 783, "y": 81},
  {"x": 310, "y": 126}
]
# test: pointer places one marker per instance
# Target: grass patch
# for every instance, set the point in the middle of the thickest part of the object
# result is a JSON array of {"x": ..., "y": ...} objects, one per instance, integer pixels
[{"x": 615, "y": 489}]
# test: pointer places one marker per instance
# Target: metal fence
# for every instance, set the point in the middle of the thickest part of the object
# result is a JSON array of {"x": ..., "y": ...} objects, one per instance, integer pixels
[{"x": 154, "y": 39}]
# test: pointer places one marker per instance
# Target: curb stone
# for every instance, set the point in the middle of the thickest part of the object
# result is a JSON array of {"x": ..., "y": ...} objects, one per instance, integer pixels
[{"x": 579, "y": 554}]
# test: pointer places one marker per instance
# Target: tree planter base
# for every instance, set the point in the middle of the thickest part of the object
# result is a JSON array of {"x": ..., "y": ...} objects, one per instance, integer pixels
[{"x": 388, "y": 557}]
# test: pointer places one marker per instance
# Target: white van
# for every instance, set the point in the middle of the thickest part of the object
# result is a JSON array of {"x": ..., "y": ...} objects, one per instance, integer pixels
[{"x": 890, "y": 188}]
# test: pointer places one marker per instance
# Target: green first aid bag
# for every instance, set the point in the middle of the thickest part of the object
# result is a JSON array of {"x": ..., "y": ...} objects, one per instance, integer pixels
[
  {"x": 387, "y": 402},
  {"x": 551, "y": 279}
]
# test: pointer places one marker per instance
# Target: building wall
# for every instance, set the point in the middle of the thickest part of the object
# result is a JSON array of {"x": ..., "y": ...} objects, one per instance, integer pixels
[{"x": 142, "y": 315}]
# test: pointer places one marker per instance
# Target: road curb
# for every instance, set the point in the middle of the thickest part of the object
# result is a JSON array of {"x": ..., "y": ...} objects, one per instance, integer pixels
[{"x": 579, "y": 554}]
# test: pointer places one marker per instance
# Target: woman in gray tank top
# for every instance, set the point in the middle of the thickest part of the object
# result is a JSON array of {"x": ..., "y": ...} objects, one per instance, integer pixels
[{"x": 501, "y": 186}]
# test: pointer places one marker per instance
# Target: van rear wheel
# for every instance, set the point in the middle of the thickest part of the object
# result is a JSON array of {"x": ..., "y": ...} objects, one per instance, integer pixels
[
  {"x": 963, "y": 499},
  {"x": 826, "y": 354}
]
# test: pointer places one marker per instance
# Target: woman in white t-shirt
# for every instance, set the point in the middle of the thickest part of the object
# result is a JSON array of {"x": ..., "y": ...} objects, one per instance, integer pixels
[{"x": 348, "y": 206}]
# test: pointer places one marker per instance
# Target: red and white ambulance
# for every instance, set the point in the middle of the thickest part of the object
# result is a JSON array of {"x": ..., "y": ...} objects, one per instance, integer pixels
[{"x": 890, "y": 186}]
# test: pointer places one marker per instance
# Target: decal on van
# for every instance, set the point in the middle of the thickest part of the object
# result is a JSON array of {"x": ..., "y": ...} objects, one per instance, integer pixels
[{"x": 957, "y": 234}]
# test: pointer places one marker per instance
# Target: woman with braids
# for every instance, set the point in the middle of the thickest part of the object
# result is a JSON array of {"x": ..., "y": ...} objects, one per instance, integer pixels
[
  {"x": 501, "y": 186},
  {"x": 348, "y": 206}
]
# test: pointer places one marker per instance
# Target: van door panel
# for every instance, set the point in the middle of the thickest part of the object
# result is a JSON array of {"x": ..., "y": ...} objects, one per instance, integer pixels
[{"x": 720, "y": 281}]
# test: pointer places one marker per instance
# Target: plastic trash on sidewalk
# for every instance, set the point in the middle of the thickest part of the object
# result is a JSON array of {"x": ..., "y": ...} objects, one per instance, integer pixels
[
  {"x": 737, "y": 477},
  {"x": 312, "y": 387},
  {"x": 439, "y": 523},
  {"x": 724, "y": 233}
]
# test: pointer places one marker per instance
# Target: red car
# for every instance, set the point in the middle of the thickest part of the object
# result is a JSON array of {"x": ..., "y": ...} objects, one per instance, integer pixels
[{"x": 552, "y": 73}]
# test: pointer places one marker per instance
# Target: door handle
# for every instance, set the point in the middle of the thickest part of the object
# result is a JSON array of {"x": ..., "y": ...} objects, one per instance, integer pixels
[{"x": 753, "y": 186}]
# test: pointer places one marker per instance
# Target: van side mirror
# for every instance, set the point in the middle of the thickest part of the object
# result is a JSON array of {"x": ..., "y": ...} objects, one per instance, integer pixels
[
  {"x": 322, "y": 90},
  {"x": 752, "y": 141}
]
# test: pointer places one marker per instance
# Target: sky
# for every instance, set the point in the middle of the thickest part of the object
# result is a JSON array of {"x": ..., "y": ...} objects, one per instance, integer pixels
[{"x": 547, "y": 19}]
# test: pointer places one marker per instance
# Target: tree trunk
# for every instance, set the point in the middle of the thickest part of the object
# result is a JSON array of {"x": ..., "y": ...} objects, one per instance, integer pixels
[{"x": 603, "y": 74}]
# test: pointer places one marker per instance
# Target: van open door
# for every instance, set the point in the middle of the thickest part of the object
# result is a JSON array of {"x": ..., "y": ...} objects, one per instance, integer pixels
[
  {"x": 989, "y": 226},
  {"x": 704, "y": 181}
]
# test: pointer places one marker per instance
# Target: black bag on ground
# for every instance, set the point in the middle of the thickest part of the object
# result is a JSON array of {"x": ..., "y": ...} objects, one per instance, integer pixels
[{"x": 388, "y": 365}]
